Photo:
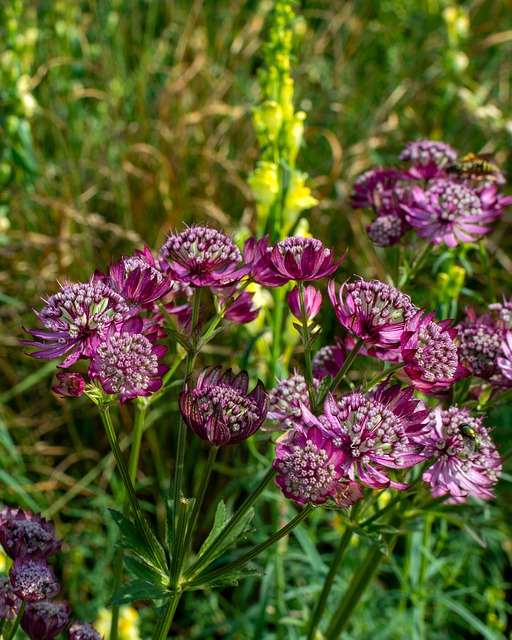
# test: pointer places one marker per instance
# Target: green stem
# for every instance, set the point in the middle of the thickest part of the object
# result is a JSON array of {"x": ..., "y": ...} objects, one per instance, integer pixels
[
  {"x": 416, "y": 265},
  {"x": 306, "y": 344},
  {"x": 199, "y": 565},
  {"x": 247, "y": 557},
  {"x": 329, "y": 581},
  {"x": 157, "y": 553},
  {"x": 164, "y": 623},
  {"x": 17, "y": 621},
  {"x": 277, "y": 332},
  {"x": 138, "y": 428},
  {"x": 343, "y": 371},
  {"x": 382, "y": 375}
]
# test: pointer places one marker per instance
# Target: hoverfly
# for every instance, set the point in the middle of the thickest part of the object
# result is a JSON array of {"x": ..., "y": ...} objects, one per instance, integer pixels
[
  {"x": 477, "y": 166},
  {"x": 470, "y": 438}
]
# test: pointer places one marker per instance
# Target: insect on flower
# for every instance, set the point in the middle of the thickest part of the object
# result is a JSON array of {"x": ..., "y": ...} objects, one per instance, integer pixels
[
  {"x": 471, "y": 440},
  {"x": 476, "y": 166}
]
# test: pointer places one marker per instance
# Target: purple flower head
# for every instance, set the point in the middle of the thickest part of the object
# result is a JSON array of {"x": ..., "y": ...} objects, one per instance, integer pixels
[
  {"x": 74, "y": 317},
  {"x": 219, "y": 409},
  {"x": 71, "y": 385},
  {"x": 467, "y": 463},
  {"x": 33, "y": 580},
  {"x": 373, "y": 310},
  {"x": 312, "y": 302},
  {"x": 505, "y": 362},
  {"x": 502, "y": 313},
  {"x": 203, "y": 257},
  {"x": 83, "y": 631},
  {"x": 375, "y": 190},
  {"x": 297, "y": 258},
  {"x": 241, "y": 308},
  {"x": 26, "y": 534},
  {"x": 387, "y": 230},
  {"x": 126, "y": 361},
  {"x": 428, "y": 158},
  {"x": 309, "y": 465},
  {"x": 375, "y": 431},
  {"x": 329, "y": 359},
  {"x": 9, "y": 602},
  {"x": 449, "y": 212},
  {"x": 46, "y": 620},
  {"x": 286, "y": 400},
  {"x": 430, "y": 354}
]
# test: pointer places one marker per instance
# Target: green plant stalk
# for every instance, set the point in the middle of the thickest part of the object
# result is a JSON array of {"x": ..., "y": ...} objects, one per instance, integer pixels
[
  {"x": 247, "y": 557},
  {"x": 416, "y": 265},
  {"x": 305, "y": 335},
  {"x": 16, "y": 622},
  {"x": 198, "y": 566},
  {"x": 329, "y": 581},
  {"x": 164, "y": 623},
  {"x": 382, "y": 375},
  {"x": 344, "y": 369},
  {"x": 277, "y": 333},
  {"x": 488, "y": 271},
  {"x": 157, "y": 553}
]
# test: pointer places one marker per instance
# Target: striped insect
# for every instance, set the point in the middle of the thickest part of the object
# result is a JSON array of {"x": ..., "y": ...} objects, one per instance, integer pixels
[{"x": 476, "y": 166}]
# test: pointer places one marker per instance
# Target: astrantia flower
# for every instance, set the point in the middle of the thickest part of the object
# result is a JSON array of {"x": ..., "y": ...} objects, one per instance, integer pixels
[
  {"x": 219, "y": 409},
  {"x": 126, "y": 361},
  {"x": 329, "y": 359},
  {"x": 23, "y": 533},
  {"x": 373, "y": 310},
  {"x": 73, "y": 317},
  {"x": 467, "y": 463},
  {"x": 430, "y": 354},
  {"x": 83, "y": 631},
  {"x": 46, "y": 620},
  {"x": 429, "y": 158},
  {"x": 9, "y": 602},
  {"x": 374, "y": 190},
  {"x": 33, "y": 580},
  {"x": 286, "y": 400},
  {"x": 299, "y": 258},
  {"x": 449, "y": 212},
  {"x": 374, "y": 432},
  {"x": 309, "y": 466},
  {"x": 312, "y": 302},
  {"x": 387, "y": 230},
  {"x": 241, "y": 308},
  {"x": 71, "y": 385},
  {"x": 203, "y": 257},
  {"x": 505, "y": 362}
]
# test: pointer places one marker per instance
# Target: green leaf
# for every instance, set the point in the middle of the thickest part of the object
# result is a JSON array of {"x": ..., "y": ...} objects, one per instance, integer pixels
[
  {"x": 144, "y": 571},
  {"x": 139, "y": 590},
  {"x": 220, "y": 519},
  {"x": 229, "y": 579},
  {"x": 221, "y": 543},
  {"x": 474, "y": 622},
  {"x": 178, "y": 337},
  {"x": 131, "y": 537}
]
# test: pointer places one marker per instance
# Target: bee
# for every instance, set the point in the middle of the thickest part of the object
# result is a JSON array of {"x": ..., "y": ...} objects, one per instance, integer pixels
[
  {"x": 470, "y": 438},
  {"x": 477, "y": 166}
]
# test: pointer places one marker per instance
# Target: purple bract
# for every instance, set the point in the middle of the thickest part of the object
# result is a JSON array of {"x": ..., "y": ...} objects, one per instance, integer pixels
[
  {"x": 33, "y": 580},
  {"x": 46, "y": 620},
  {"x": 9, "y": 602},
  {"x": 25, "y": 534}
]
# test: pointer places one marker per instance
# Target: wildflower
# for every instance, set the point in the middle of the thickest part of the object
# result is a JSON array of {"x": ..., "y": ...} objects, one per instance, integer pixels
[
  {"x": 428, "y": 159},
  {"x": 46, "y": 620},
  {"x": 73, "y": 317},
  {"x": 9, "y": 602},
  {"x": 23, "y": 534},
  {"x": 430, "y": 354},
  {"x": 387, "y": 229},
  {"x": 219, "y": 409},
  {"x": 83, "y": 631},
  {"x": 505, "y": 362},
  {"x": 374, "y": 311},
  {"x": 480, "y": 345},
  {"x": 449, "y": 212},
  {"x": 312, "y": 302},
  {"x": 71, "y": 385},
  {"x": 128, "y": 623},
  {"x": 240, "y": 306},
  {"x": 203, "y": 257},
  {"x": 285, "y": 401},
  {"x": 374, "y": 189},
  {"x": 375, "y": 431},
  {"x": 126, "y": 361},
  {"x": 329, "y": 359},
  {"x": 33, "y": 580},
  {"x": 467, "y": 463},
  {"x": 309, "y": 465}
]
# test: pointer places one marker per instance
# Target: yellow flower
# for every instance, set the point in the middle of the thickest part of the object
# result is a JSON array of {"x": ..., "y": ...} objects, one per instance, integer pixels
[
  {"x": 264, "y": 182},
  {"x": 128, "y": 623}
]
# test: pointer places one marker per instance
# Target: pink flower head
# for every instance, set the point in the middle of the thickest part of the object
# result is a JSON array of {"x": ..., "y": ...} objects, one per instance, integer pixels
[
  {"x": 375, "y": 432},
  {"x": 71, "y": 385},
  {"x": 430, "y": 354},
  {"x": 505, "y": 362},
  {"x": 312, "y": 302},
  {"x": 329, "y": 359},
  {"x": 83, "y": 631},
  {"x": 449, "y": 212},
  {"x": 46, "y": 620},
  {"x": 286, "y": 400},
  {"x": 373, "y": 310},
  {"x": 388, "y": 229},
  {"x": 241, "y": 308},
  {"x": 428, "y": 159},
  {"x": 126, "y": 361},
  {"x": 74, "y": 317},
  {"x": 26, "y": 534},
  {"x": 310, "y": 466},
  {"x": 203, "y": 257},
  {"x": 219, "y": 409},
  {"x": 467, "y": 463},
  {"x": 375, "y": 190},
  {"x": 33, "y": 580}
]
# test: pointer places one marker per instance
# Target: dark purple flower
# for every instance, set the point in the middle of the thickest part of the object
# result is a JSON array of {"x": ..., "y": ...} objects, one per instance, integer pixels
[
  {"x": 505, "y": 362},
  {"x": 126, "y": 361},
  {"x": 430, "y": 354},
  {"x": 203, "y": 257},
  {"x": 309, "y": 465},
  {"x": 374, "y": 189},
  {"x": 240, "y": 306},
  {"x": 286, "y": 400},
  {"x": 467, "y": 463},
  {"x": 9, "y": 602},
  {"x": 23, "y": 533},
  {"x": 33, "y": 580},
  {"x": 375, "y": 431},
  {"x": 74, "y": 317},
  {"x": 449, "y": 212},
  {"x": 219, "y": 409},
  {"x": 83, "y": 631},
  {"x": 46, "y": 620},
  {"x": 428, "y": 159},
  {"x": 329, "y": 359},
  {"x": 373, "y": 310},
  {"x": 387, "y": 230},
  {"x": 312, "y": 302},
  {"x": 71, "y": 385}
]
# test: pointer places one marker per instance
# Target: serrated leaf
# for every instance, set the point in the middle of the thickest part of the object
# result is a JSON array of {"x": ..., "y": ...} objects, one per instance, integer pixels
[
  {"x": 178, "y": 337},
  {"x": 139, "y": 590},
  {"x": 323, "y": 388},
  {"x": 229, "y": 579},
  {"x": 132, "y": 538},
  {"x": 218, "y": 524},
  {"x": 229, "y": 540},
  {"x": 144, "y": 571}
]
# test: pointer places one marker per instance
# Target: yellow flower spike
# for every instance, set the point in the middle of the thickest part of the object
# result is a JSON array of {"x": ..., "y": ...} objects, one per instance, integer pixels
[
  {"x": 286, "y": 98},
  {"x": 264, "y": 183},
  {"x": 294, "y": 131},
  {"x": 272, "y": 118},
  {"x": 298, "y": 198}
]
